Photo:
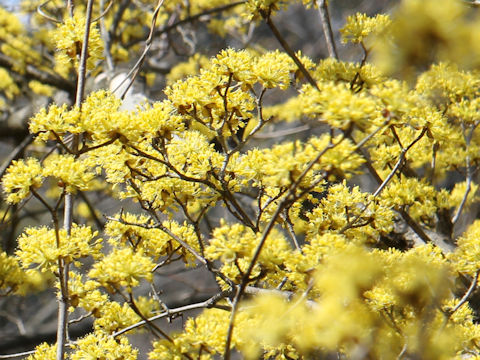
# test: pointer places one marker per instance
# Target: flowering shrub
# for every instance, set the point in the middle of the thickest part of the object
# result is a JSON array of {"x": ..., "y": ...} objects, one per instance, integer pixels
[{"x": 354, "y": 240}]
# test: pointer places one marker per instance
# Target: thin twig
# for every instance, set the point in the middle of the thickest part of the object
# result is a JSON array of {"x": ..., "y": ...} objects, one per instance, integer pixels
[
  {"x": 80, "y": 318},
  {"x": 204, "y": 304},
  {"x": 467, "y": 295},
  {"x": 45, "y": 15},
  {"x": 403, "y": 351},
  {"x": 288, "y": 49},
  {"x": 104, "y": 12},
  {"x": 167, "y": 231},
  {"x": 406, "y": 217},
  {"x": 82, "y": 68},
  {"x": 107, "y": 40},
  {"x": 286, "y": 295},
  {"x": 327, "y": 29},
  {"x": 352, "y": 223},
  {"x": 154, "y": 328},
  {"x": 399, "y": 163},
  {"x": 469, "y": 174},
  {"x": 31, "y": 72},
  {"x": 148, "y": 44},
  {"x": 467, "y": 192},
  {"x": 16, "y": 320},
  {"x": 11, "y": 356},
  {"x": 212, "y": 303},
  {"x": 92, "y": 211},
  {"x": 15, "y": 153},
  {"x": 280, "y": 133},
  {"x": 291, "y": 231},
  {"x": 70, "y": 7},
  {"x": 117, "y": 18}
]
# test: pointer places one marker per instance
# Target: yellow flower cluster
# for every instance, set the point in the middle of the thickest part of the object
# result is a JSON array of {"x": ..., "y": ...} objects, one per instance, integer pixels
[
  {"x": 338, "y": 106},
  {"x": 133, "y": 230},
  {"x": 465, "y": 258},
  {"x": 24, "y": 176},
  {"x": 40, "y": 89},
  {"x": 96, "y": 347},
  {"x": 235, "y": 245},
  {"x": 21, "y": 176},
  {"x": 15, "y": 43},
  {"x": 11, "y": 275},
  {"x": 68, "y": 38},
  {"x": 422, "y": 33},
  {"x": 122, "y": 268},
  {"x": 360, "y": 26},
  {"x": 72, "y": 173},
  {"x": 366, "y": 297},
  {"x": 43, "y": 352},
  {"x": 325, "y": 242},
  {"x": 7, "y": 85},
  {"x": 343, "y": 209},
  {"x": 113, "y": 316},
  {"x": 15, "y": 280},
  {"x": 44, "y": 247},
  {"x": 204, "y": 335},
  {"x": 188, "y": 68},
  {"x": 418, "y": 196},
  {"x": 85, "y": 293}
]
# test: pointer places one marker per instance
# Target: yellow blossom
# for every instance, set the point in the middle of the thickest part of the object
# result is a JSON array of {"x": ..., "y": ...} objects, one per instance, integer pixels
[
  {"x": 122, "y": 267},
  {"x": 73, "y": 174},
  {"x": 360, "y": 26},
  {"x": 100, "y": 346},
  {"x": 43, "y": 248},
  {"x": 69, "y": 41},
  {"x": 22, "y": 176}
]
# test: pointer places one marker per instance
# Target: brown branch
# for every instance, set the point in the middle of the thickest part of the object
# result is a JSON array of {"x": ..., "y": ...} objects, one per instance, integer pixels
[
  {"x": 288, "y": 49},
  {"x": 209, "y": 303},
  {"x": 138, "y": 65},
  {"x": 45, "y": 15},
  {"x": 467, "y": 295},
  {"x": 32, "y": 72}
]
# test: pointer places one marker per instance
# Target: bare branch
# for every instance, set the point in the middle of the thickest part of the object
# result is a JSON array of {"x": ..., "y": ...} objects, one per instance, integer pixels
[
  {"x": 106, "y": 37},
  {"x": 45, "y": 15},
  {"x": 327, "y": 28},
  {"x": 467, "y": 295},
  {"x": 148, "y": 43},
  {"x": 289, "y": 50},
  {"x": 12, "y": 356}
]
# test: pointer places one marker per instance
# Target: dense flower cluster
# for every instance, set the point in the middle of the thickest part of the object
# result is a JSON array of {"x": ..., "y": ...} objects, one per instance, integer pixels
[{"x": 334, "y": 265}]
